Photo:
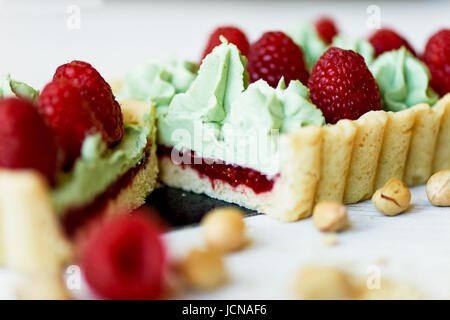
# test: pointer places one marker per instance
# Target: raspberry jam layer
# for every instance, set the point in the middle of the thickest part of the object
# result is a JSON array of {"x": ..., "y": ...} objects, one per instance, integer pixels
[
  {"x": 74, "y": 218},
  {"x": 215, "y": 170}
]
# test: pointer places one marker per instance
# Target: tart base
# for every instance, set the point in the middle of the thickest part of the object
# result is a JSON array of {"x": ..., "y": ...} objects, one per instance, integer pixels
[
  {"x": 133, "y": 196},
  {"x": 31, "y": 237},
  {"x": 188, "y": 179}
]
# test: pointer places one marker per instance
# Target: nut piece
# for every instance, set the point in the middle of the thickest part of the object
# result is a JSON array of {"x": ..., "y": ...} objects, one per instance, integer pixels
[
  {"x": 324, "y": 283},
  {"x": 224, "y": 229},
  {"x": 438, "y": 188},
  {"x": 330, "y": 216},
  {"x": 393, "y": 198},
  {"x": 203, "y": 269}
]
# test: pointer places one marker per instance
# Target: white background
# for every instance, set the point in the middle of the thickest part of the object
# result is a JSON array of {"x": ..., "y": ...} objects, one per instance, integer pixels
[{"x": 113, "y": 36}]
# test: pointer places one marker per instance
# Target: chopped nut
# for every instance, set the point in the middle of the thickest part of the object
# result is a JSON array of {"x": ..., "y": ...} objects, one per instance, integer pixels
[
  {"x": 330, "y": 216},
  {"x": 438, "y": 188},
  {"x": 392, "y": 199},
  {"x": 324, "y": 283},
  {"x": 224, "y": 229},
  {"x": 134, "y": 111},
  {"x": 203, "y": 269}
]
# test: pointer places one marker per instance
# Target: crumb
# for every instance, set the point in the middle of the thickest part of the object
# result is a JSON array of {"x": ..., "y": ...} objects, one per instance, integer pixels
[
  {"x": 322, "y": 282},
  {"x": 329, "y": 239},
  {"x": 381, "y": 261}
]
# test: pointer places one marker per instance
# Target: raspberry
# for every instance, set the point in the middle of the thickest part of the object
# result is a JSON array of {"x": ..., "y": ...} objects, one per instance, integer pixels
[
  {"x": 98, "y": 94},
  {"x": 326, "y": 29},
  {"x": 124, "y": 258},
  {"x": 69, "y": 116},
  {"x": 342, "y": 86},
  {"x": 275, "y": 55},
  {"x": 232, "y": 34},
  {"x": 437, "y": 58},
  {"x": 386, "y": 40},
  {"x": 26, "y": 142}
]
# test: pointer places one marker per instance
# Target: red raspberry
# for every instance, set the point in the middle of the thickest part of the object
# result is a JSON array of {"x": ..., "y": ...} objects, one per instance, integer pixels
[
  {"x": 97, "y": 93},
  {"x": 124, "y": 258},
  {"x": 26, "y": 142},
  {"x": 386, "y": 40},
  {"x": 342, "y": 86},
  {"x": 68, "y": 114},
  {"x": 232, "y": 34},
  {"x": 326, "y": 29},
  {"x": 437, "y": 58},
  {"x": 275, "y": 55}
]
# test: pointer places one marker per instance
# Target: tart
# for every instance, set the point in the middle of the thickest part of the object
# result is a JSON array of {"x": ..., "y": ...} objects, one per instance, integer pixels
[
  {"x": 39, "y": 217},
  {"x": 343, "y": 162},
  {"x": 307, "y": 160}
]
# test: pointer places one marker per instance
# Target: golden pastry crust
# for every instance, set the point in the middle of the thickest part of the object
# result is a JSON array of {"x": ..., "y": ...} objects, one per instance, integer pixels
[
  {"x": 294, "y": 191},
  {"x": 338, "y": 141},
  {"x": 31, "y": 238},
  {"x": 366, "y": 151},
  {"x": 442, "y": 156},
  {"x": 419, "y": 164},
  {"x": 394, "y": 150}
]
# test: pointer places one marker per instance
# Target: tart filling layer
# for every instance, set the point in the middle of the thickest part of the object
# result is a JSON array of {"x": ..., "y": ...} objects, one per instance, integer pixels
[{"x": 217, "y": 170}]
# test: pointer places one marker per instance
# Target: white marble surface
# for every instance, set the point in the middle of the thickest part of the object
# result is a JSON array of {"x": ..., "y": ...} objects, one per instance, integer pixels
[
  {"x": 115, "y": 35},
  {"x": 412, "y": 248}
]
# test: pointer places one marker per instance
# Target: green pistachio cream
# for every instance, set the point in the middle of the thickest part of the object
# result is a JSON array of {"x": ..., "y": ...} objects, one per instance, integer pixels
[
  {"x": 11, "y": 88},
  {"x": 403, "y": 80},
  {"x": 361, "y": 46},
  {"x": 158, "y": 80},
  {"x": 220, "y": 116},
  {"x": 306, "y": 36}
]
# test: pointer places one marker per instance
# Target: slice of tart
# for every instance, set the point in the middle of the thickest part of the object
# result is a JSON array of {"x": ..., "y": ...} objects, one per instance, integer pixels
[
  {"x": 44, "y": 202},
  {"x": 268, "y": 149}
]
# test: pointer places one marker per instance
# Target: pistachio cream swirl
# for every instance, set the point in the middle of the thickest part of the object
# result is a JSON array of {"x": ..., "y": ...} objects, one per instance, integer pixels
[
  {"x": 220, "y": 116},
  {"x": 158, "y": 80},
  {"x": 306, "y": 36},
  {"x": 403, "y": 80},
  {"x": 360, "y": 46},
  {"x": 11, "y": 88}
]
